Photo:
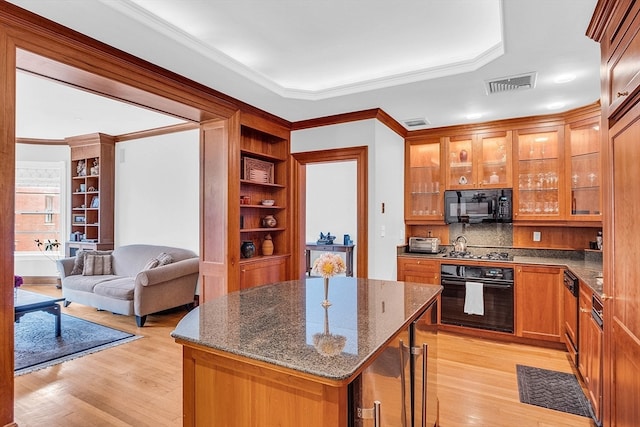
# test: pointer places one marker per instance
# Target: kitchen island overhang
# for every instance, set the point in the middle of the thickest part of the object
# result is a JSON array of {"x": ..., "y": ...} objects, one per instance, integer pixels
[{"x": 250, "y": 351}]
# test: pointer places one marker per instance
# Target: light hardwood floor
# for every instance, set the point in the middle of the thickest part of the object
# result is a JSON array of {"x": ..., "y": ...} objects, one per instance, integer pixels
[{"x": 140, "y": 383}]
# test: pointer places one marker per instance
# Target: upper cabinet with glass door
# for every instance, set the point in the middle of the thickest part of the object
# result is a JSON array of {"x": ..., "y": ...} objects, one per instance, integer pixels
[
  {"x": 539, "y": 171},
  {"x": 583, "y": 151},
  {"x": 480, "y": 160},
  {"x": 423, "y": 180}
]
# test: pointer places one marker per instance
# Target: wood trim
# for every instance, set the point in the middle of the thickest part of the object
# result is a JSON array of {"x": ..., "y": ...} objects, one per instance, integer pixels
[
  {"x": 181, "y": 127},
  {"x": 374, "y": 113},
  {"x": 7, "y": 229},
  {"x": 335, "y": 119},
  {"x": 360, "y": 155},
  {"x": 530, "y": 123},
  {"x": 391, "y": 123},
  {"x": 165, "y": 130},
  {"x": 37, "y": 141},
  {"x": 600, "y": 19},
  {"x": 49, "y": 49}
]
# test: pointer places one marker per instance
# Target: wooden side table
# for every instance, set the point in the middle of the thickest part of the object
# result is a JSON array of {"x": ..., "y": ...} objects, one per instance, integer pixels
[{"x": 348, "y": 249}]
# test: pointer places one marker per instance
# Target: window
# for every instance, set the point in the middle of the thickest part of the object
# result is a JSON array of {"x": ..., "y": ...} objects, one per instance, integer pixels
[{"x": 37, "y": 203}]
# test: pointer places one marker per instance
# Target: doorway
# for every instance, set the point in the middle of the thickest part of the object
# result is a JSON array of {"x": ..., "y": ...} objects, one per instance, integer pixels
[{"x": 348, "y": 162}]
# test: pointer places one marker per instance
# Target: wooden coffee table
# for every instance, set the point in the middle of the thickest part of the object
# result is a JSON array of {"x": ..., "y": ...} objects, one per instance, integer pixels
[{"x": 28, "y": 302}]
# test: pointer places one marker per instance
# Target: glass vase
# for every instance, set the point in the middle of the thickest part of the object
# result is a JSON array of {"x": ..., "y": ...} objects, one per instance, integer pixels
[{"x": 326, "y": 302}]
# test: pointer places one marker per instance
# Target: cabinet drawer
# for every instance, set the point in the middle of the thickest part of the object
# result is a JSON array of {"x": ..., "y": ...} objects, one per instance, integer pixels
[
  {"x": 419, "y": 270},
  {"x": 623, "y": 74}
]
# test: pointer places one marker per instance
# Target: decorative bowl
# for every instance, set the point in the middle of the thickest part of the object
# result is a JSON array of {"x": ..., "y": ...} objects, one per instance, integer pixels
[{"x": 268, "y": 202}]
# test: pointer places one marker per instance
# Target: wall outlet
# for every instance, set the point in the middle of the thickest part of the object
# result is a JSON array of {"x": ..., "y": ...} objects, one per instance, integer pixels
[{"x": 536, "y": 236}]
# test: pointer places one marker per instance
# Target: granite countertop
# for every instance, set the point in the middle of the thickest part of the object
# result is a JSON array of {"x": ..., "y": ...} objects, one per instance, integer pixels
[
  {"x": 586, "y": 265},
  {"x": 283, "y": 323}
]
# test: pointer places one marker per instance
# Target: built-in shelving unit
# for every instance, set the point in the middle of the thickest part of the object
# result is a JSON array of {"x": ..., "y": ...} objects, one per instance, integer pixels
[
  {"x": 92, "y": 192},
  {"x": 264, "y": 175}
]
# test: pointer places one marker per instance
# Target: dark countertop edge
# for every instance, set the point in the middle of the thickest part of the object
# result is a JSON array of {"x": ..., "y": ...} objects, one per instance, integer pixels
[{"x": 341, "y": 377}]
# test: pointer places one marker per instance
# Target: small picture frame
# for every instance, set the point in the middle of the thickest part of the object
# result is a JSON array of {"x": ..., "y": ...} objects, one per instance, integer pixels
[
  {"x": 95, "y": 202},
  {"x": 80, "y": 219},
  {"x": 83, "y": 188}
]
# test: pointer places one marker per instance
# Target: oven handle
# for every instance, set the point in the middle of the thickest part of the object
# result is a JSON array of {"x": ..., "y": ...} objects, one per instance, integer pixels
[{"x": 502, "y": 285}]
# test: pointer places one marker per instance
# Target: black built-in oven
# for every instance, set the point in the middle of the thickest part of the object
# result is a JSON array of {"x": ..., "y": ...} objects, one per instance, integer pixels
[{"x": 496, "y": 295}]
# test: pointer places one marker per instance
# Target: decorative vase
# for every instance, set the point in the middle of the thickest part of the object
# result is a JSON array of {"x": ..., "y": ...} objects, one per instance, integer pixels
[
  {"x": 267, "y": 245},
  {"x": 269, "y": 221},
  {"x": 326, "y": 302},
  {"x": 248, "y": 249},
  {"x": 463, "y": 155}
]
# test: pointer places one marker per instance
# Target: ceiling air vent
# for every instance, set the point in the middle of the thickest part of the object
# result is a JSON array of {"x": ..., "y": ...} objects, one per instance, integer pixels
[
  {"x": 412, "y": 123},
  {"x": 507, "y": 84}
]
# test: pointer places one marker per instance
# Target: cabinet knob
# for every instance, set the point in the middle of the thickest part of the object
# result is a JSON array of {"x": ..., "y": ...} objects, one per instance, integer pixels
[
  {"x": 605, "y": 297},
  {"x": 621, "y": 94}
]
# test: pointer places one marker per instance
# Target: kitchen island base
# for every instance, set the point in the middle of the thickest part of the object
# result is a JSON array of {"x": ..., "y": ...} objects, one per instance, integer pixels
[{"x": 224, "y": 391}]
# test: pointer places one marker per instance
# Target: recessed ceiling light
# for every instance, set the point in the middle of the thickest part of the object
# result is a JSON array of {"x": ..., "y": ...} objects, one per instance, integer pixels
[
  {"x": 473, "y": 116},
  {"x": 555, "y": 105},
  {"x": 564, "y": 78}
]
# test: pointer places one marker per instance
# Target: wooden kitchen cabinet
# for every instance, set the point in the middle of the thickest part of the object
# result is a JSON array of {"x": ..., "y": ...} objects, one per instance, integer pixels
[
  {"x": 424, "y": 183},
  {"x": 590, "y": 357},
  {"x": 538, "y": 302},
  {"x": 479, "y": 160},
  {"x": 539, "y": 171},
  {"x": 584, "y": 169},
  {"x": 616, "y": 26},
  {"x": 262, "y": 270},
  {"x": 419, "y": 270}
]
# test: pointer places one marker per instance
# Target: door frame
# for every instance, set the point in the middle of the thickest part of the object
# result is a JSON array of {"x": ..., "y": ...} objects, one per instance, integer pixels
[{"x": 298, "y": 202}]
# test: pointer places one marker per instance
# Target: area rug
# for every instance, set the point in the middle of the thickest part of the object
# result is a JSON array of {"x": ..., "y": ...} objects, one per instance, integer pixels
[
  {"x": 559, "y": 391},
  {"x": 37, "y": 347}
]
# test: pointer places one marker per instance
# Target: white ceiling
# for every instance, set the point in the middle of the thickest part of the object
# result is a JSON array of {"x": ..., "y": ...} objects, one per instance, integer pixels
[{"x": 302, "y": 59}]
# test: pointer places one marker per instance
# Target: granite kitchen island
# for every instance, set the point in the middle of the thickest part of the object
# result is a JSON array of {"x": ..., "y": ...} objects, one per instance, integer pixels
[{"x": 273, "y": 355}]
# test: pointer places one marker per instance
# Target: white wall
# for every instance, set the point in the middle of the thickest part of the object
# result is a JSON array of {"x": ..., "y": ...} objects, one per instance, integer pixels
[
  {"x": 386, "y": 166},
  {"x": 386, "y": 230},
  {"x": 35, "y": 264},
  {"x": 157, "y": 191}
]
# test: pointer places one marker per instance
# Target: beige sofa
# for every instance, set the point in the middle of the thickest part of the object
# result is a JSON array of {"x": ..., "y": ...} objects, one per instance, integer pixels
[{"x": 131, "y": 280}]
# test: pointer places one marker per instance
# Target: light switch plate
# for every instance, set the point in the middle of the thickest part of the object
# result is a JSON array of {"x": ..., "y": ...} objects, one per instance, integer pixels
[{"x": 536, "y": 236}]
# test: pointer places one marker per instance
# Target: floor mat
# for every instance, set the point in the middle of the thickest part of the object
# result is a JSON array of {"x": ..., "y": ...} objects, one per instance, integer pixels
[{"x": 551, "y": 389}]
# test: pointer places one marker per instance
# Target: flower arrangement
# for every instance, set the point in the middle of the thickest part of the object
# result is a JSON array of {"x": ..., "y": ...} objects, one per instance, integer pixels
[
  {"x": 17, "y": 281},
  {"x": 328, "y": 265}
]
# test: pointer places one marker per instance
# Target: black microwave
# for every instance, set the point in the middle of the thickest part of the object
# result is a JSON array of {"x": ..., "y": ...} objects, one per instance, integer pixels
[{"x": 478, "y": 206}]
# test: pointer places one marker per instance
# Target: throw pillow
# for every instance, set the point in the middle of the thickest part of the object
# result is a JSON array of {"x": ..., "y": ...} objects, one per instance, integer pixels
[
  {"x": 78, "y": 264},
  {"x": 164, "y": 259},
  {"x": 152, "y": 263},
  {"x": 97, "y": 265}
]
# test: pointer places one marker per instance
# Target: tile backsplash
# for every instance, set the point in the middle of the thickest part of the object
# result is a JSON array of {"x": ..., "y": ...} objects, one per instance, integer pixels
[{"x": 488, "y": 235}]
